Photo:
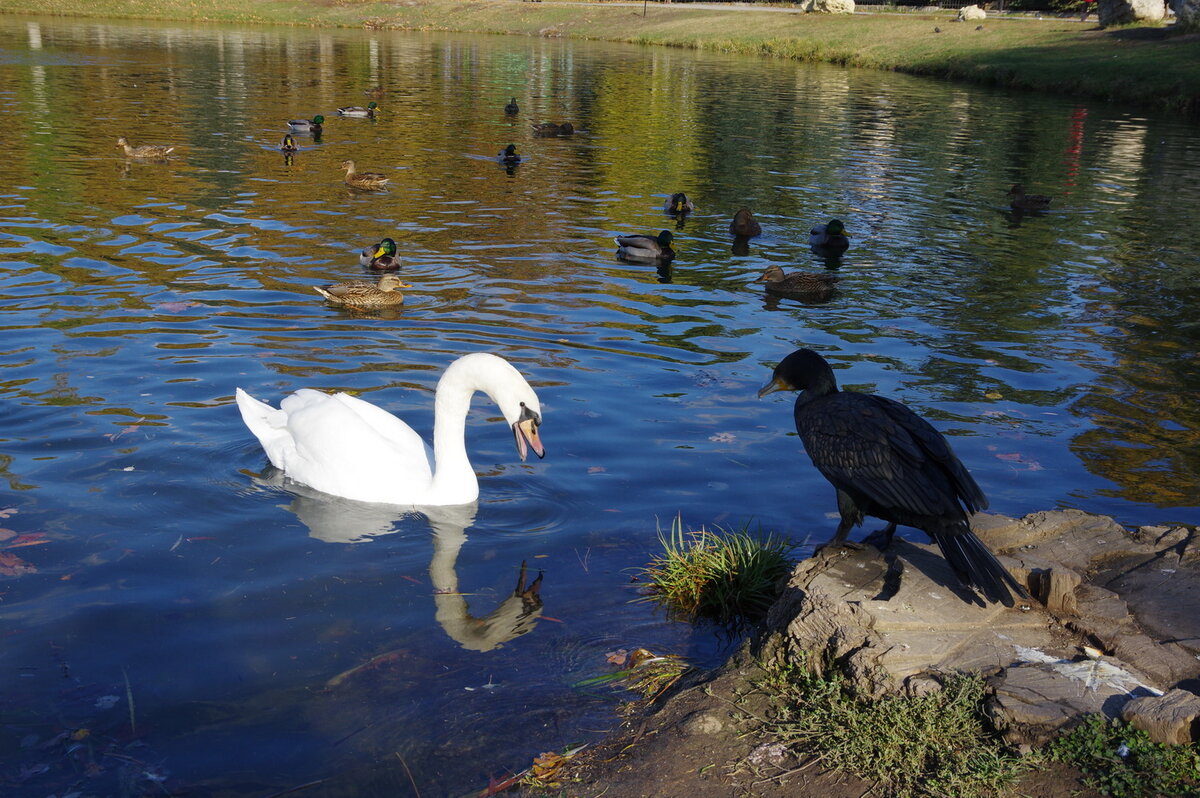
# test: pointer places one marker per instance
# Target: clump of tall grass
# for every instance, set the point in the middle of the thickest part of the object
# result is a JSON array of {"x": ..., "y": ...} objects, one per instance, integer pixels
[
  {"x": 727, "y": 576},
  {"x": 936, "y": 744}
]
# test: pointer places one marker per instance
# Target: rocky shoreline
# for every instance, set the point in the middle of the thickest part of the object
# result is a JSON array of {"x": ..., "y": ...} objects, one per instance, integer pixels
[{"x": 1115, "y": 629}]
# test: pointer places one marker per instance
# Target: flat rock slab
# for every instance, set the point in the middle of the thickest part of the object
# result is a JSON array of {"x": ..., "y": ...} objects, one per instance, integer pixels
[{"x": 888, "y": 620}]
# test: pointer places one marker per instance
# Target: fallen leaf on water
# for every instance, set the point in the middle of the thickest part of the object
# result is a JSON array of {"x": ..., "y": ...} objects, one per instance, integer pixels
[
  {"x": 175, "y": 307},
  {"x": 547, "y": 766},
  {"x": 12, "y": 565},
  {"x": 112, "y": 436},
  {"x": 1014, "y": 457},
  {"x": 32, "y": 539},
  {"x": 617, "y": 657},
  {"x": 377, "y": 662},
  {"x": 993, "y": 395}
]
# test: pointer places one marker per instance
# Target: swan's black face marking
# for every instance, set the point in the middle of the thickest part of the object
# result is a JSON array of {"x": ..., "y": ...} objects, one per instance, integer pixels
[{"x": 526, "y": 433}]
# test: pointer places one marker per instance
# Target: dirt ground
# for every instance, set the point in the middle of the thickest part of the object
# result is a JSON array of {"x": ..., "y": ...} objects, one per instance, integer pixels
[{"x": 697, "y": 743}]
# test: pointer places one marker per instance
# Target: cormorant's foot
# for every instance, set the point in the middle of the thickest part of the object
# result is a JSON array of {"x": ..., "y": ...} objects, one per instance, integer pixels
[
  {"x": 880, "y": 539},
  {"x": 833, "y": 545}
]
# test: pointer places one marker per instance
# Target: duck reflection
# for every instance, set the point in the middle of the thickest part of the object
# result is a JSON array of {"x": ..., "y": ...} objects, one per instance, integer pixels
[{"x": 336, "y": 520}]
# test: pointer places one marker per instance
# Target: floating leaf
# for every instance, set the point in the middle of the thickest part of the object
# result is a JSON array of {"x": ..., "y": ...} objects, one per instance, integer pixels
[
  {"x": 175, "y": 307},
  {"x": 993, "y": 395},
  {"x": 32, "y": 539},
  {"x": 618, "y": 657},
  {"x": 12, "y": 565}
]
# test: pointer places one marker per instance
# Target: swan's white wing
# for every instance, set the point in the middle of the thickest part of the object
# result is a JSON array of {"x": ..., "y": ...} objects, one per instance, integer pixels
[
  {"x": 344, "y": 446},
  {"x": 389, "y": 427},
  {"x": 269, "y": 426}
]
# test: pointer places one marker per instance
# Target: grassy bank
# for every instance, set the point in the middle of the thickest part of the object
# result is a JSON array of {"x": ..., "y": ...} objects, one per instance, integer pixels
[{"x": 1143, "y": 65}]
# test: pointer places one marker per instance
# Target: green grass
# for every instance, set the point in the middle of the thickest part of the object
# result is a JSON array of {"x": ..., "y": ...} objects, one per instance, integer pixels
[
  {"x": 730, "y": 577},
  {"x": 1135, "y": 64},
  {"x": 1122, "y": 761},
  {"x": 937, "y": 744}
]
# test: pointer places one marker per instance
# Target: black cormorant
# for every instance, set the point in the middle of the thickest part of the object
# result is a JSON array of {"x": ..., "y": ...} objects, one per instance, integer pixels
[{"x": 886, "y": 461}]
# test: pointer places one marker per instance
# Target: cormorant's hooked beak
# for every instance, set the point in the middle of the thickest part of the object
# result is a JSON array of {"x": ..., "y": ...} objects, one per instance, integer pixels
[
  {"x": 526, "y": 433},
  {"x": 776, "y": 383}
]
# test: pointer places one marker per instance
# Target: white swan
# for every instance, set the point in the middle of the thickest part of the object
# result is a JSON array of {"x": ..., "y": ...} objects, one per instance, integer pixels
[{"x": 348, "y": 447}]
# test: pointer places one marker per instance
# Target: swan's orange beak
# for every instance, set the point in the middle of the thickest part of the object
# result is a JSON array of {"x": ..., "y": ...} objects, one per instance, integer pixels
[{"x": 526, "y": 433}]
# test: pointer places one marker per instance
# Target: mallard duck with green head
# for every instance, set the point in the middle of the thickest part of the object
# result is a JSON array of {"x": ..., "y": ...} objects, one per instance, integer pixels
[
  {"x": 744, "y": 224},
  {"x": 288, "y": 144},
  {"x": 678, "y": 204},
  {"x": 369, "y": 181},
  {"x": 830, "y": 236},
  {"x": 359, "y": 111},
  {"x": 509, "y": 155},
  {"x": 381, "y": 257},
  {"x": 805, "y": 284},
  {"x": 357, "y": 294},
  {"x": 313, "y": 126},
  {"x": 1020, "y": 201},
  {"x": 643, "y": 247},
  {"x": 144, "y": 150}
]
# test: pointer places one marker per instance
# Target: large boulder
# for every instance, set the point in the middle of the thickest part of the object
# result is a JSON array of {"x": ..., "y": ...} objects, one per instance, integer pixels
[
  {"x": 1116, "y": 12},
  {"x": 1117, "y": 618},
  {"x": 970, "y": 13},
  {"x": 828, "y": 6}
]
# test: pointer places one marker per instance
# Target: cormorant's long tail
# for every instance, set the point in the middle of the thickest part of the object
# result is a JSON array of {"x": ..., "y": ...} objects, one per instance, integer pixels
[{"x": 977, "y": 567}]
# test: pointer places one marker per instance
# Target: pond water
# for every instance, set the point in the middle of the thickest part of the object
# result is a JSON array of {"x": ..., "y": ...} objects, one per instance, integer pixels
[{"x": 176, "y": 620}]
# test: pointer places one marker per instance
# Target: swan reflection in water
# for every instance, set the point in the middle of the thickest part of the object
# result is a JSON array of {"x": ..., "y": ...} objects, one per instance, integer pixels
[{"x": 333, "y": 519}]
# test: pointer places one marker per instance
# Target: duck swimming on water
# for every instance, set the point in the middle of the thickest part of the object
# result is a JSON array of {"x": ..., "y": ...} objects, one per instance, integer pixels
[
  {"x": 886, "y": 461},
  {"x": 643, "y": 247},
  {"x": 678, "y": 204},
  {"x": 313, "y": 126},
  {"x": 381, "y": 257},
  {"x": 799, "y": 284},
  {"x": 144, "y": 150},
  {"x": 830, "y": 236},
  {"x": 744, "y": 225},
  {"x": 1020, "y": 201}
]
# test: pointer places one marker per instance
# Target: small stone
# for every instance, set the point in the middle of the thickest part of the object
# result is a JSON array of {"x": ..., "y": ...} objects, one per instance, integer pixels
[
  {"x": 703, "y": 723},
  {"x": 772, "y": 754}
]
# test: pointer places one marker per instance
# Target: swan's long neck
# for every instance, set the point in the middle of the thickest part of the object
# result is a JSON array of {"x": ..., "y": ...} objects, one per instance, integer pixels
[{"x": 454, "y": 480}]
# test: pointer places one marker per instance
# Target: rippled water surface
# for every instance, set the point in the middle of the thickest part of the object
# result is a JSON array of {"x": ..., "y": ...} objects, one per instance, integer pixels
[{"x": 176, "y": 620}]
